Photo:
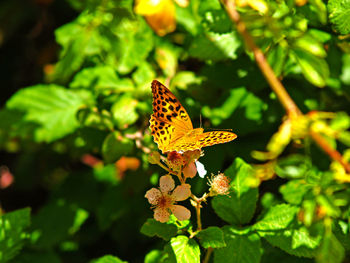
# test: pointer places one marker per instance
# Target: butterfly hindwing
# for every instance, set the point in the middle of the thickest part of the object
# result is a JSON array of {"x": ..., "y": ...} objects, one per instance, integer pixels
[
  {"x": 215, "y": 137},
  {"x": 172, "y": 128},
  {"x": 162, "y": 132}
]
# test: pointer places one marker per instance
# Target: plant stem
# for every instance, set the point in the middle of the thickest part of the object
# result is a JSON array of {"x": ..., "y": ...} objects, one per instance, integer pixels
[
  {"x": 166, "y": 168},
  {"x": 198, "y": 206},
  {"x": 208, "y": 254},
  {"x": 275, "y": 84},
  {"x": 334, "y": 154}
]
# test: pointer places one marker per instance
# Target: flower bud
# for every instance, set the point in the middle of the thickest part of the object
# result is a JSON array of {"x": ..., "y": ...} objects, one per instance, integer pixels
[
  {"x": 154, "y": 157},
  {"x": 175, "y": 160},
  {"x": 190, "y": 170},
  {"x": 191, "y": 156}
]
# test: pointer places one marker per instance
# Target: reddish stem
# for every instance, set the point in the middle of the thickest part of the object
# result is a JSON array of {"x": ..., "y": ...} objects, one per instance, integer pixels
[
  {"x": 334, "y": 154},
  {"x": 275, "y": 84}
]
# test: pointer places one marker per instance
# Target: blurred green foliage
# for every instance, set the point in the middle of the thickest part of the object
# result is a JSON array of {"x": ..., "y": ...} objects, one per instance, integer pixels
[{"x": 74, "y": 147}]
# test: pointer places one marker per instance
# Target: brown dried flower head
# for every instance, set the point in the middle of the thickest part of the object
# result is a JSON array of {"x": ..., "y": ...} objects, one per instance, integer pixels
[{"x": 219, "y": 185}]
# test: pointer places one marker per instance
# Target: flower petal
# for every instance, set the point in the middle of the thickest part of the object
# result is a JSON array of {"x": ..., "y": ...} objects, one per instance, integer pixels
[
  {"x": 190, "y": 170},
  {"x": 153, "y": 195},
  {"x": 166, "y": 183},
  {"x": 161, "y": 215},
  {"x": 201, "y": 169},
  {"x": 182, "y": 3},
  {"x": 181, "y": 192},
  {"x": 181, "y": 212}
]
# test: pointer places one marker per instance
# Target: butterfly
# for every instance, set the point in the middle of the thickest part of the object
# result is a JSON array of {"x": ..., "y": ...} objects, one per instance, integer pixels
[{"x": 172, "y": 128}]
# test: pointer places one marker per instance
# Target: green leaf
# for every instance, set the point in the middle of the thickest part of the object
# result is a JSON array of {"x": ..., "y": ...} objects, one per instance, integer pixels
[
  {"x": 167, "y": 58},
  {"x": 293, "y": 191},
  {"x": 301, "y": 237},
  {"x": 134, "y": 45},
  {"x": 37, "y": 257},
  {"x": 294, "y": 166},
  {"x": 106, "y": 173},
  {"x": 56, "y": 222},
  {"x": 111, "y": 207},
  {"x": 108, "y": 259},
  {"x": 211, "y": 237},
  {"x": 169, "y": 254},
  {"x": 319, "y": 7},
  {"x": 339, "y": 12},
  {"x": 78, "y": 40},
  {"x": 13, "y": 124},
  {"x": 101, "y": 78},
  {"x": 310, "y": 44},
  {"x": 214, "y": 46},
  {"x": 331, "y": 250},
  {"x": 124, "y": 111},
  {"x": 90, "y": 117},
  {"x": 52, "y": 107},
  {"x": 295, "y": 242},
  {"x": 186, "y": 250},
  {"x": 237, "y": 99},
  {"x": 217, "y": 21},
  {"x": 144, "y": 74},
  {"x": 239, "y": 207},
  {"x": 186, "y": 18},
  {"x": 154, "y": 228},
  {"x": 12, "y": 233},
  {"x": 239, "y": 248},
  {"x": 183, "y": 79},
  {"x": 278, "y": 217},
  {"x": 345, "y": 75},
  {"x": 276, "y": 57},
  {"x": 115, "y": 146},
  {"x": 315, "y": 69},
  {"x": 155, "y": 256}
]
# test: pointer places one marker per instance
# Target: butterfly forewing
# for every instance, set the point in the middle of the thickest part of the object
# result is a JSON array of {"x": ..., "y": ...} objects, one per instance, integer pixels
[
  {"x": 169, "y": 120},
  {"x": 166, "y": 107},
  {"x": 172, "y": 128}
]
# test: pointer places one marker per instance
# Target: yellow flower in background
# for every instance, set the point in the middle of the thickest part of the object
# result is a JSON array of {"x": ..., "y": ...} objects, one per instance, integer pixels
[
  {"x": 339, "y": 172},
  {"x": 159, "y": 14},
  {"x": 258, "y": 5}
]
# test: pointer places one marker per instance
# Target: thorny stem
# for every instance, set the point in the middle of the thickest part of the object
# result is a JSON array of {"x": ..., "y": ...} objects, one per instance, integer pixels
[{"x": 275, "y": 84}]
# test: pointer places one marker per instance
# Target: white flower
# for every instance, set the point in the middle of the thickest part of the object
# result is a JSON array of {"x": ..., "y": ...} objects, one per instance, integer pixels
[{"x": 165, "y": 198}]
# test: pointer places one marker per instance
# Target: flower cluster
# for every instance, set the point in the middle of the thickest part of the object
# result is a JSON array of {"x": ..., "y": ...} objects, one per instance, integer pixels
[{"x": 184, "y": 166}]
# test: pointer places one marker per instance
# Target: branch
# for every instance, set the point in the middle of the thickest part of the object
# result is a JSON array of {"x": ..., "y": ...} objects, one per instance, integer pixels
[
  {"x": 275, "y": 84},
  {"x": 334, "y": 154}
]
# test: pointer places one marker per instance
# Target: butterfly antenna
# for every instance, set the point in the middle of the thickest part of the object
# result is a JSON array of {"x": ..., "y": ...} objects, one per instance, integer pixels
[
  {"x": 200, "y": 120},
  {"x": 218, "y": 129}
]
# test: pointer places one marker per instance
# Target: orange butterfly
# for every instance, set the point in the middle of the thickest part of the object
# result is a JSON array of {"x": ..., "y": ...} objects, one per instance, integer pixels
[{"x": 172, "y": 128}]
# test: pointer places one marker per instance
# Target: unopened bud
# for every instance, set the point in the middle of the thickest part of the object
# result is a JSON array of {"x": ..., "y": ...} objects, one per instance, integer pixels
[{"x": 154, "y": 157}]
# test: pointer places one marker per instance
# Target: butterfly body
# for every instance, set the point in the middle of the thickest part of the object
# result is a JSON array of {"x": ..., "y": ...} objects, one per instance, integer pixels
[{"x": 172, "y": 128}]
